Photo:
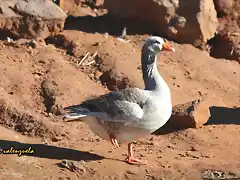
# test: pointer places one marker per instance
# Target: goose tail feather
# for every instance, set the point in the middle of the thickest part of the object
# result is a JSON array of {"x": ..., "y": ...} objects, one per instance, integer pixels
[
  {"x": 75, "y": 113},
  {"x": 78, "y": 112}
]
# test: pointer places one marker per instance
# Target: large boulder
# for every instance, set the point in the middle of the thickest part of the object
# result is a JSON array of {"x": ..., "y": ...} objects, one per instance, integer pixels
[
  {"x": 30, "y": 18},
  {"x": 185, "y": 21}
]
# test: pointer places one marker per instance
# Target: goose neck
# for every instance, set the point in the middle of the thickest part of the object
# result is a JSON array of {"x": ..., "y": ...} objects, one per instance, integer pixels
[{"x": 151, "y": 77}]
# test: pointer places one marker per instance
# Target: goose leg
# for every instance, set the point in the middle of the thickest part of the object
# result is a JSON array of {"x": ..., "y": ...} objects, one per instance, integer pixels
[
  {"x": 130, "y": 158},
  {"x": 114, "y": 140}
]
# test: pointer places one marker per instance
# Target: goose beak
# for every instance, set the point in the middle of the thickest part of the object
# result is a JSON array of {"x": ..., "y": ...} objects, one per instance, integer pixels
[{"x": 167, "y": 47}]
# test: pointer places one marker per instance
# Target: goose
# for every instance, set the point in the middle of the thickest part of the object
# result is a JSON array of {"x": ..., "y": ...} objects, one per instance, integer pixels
[{"x": 126, "y": 115}]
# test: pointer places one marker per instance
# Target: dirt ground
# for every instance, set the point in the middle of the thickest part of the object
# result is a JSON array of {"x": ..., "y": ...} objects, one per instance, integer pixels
[{"x": 37, "y": 80}]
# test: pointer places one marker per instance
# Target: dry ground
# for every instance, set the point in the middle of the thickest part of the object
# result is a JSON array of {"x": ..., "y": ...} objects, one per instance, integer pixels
[{"x": 44, "y": 78}]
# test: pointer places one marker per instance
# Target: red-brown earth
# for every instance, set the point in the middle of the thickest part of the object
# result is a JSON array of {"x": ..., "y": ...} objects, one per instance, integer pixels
[{"x": 45, "y": 78}]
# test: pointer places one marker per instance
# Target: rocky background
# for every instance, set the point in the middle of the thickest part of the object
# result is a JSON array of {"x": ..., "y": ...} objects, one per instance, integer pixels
[{"x": 54, "y": 54}]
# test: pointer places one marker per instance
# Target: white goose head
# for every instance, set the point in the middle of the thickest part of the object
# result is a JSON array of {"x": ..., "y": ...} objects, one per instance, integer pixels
[
  {"x": 151, "y": 48},
  {"x": 156, "y": 44}
]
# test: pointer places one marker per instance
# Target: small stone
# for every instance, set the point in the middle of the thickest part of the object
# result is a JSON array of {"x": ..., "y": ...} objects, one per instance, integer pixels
[
  {"x": 98, "y": 139},
  {"x": 96, "y": 44},
  {"x": 189, "y": 154},
  {"x": 56, "y": 138},
  {"x": 82, "y": 162},
  {"x": 182, "y": 155},
  {"x": 45, "y": 113},
  {"x": 205, "y": 156},
  {"x": 130, "y": 172},
  {"x": 97, "y": 74},
  {"x": 50, "y": 114},
  {"x": 171, "y": 146},
  {"x": 192, "y": 148}
]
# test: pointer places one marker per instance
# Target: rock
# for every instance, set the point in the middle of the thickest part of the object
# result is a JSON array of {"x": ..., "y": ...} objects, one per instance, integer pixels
[
  {"x": 223, "y": 7},
  {"x": 192, "y": 114},
  {"x": 226, "y": 44},
  {"x": 30, "y": 18},
  {"x": 186, "y": 21},
  {"x": 226, "y": 47}
]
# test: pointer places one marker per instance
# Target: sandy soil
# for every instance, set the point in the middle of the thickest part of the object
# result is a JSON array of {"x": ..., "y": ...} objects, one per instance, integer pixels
[{"x": 37, "y": 81}]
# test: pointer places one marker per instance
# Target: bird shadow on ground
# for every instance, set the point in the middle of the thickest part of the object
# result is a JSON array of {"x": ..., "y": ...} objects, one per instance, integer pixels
[
  {"x": 166, "y": 129},
  {"x": 50, "y": 152},
  {"x": 218, "y": 115},
  {"x": 107, "y": 24}
]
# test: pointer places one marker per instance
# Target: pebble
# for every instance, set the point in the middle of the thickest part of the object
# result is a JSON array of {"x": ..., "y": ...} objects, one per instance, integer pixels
[
  {"x": 50, "y": 115},
  {"x": 189, "y": 154},
  {"x": 192, "y": 148},
  {"x": 170, "y": 146}
]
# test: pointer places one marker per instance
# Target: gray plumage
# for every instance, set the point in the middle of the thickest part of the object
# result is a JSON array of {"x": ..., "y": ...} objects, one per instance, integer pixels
[{"x": 124, "y": 105}]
